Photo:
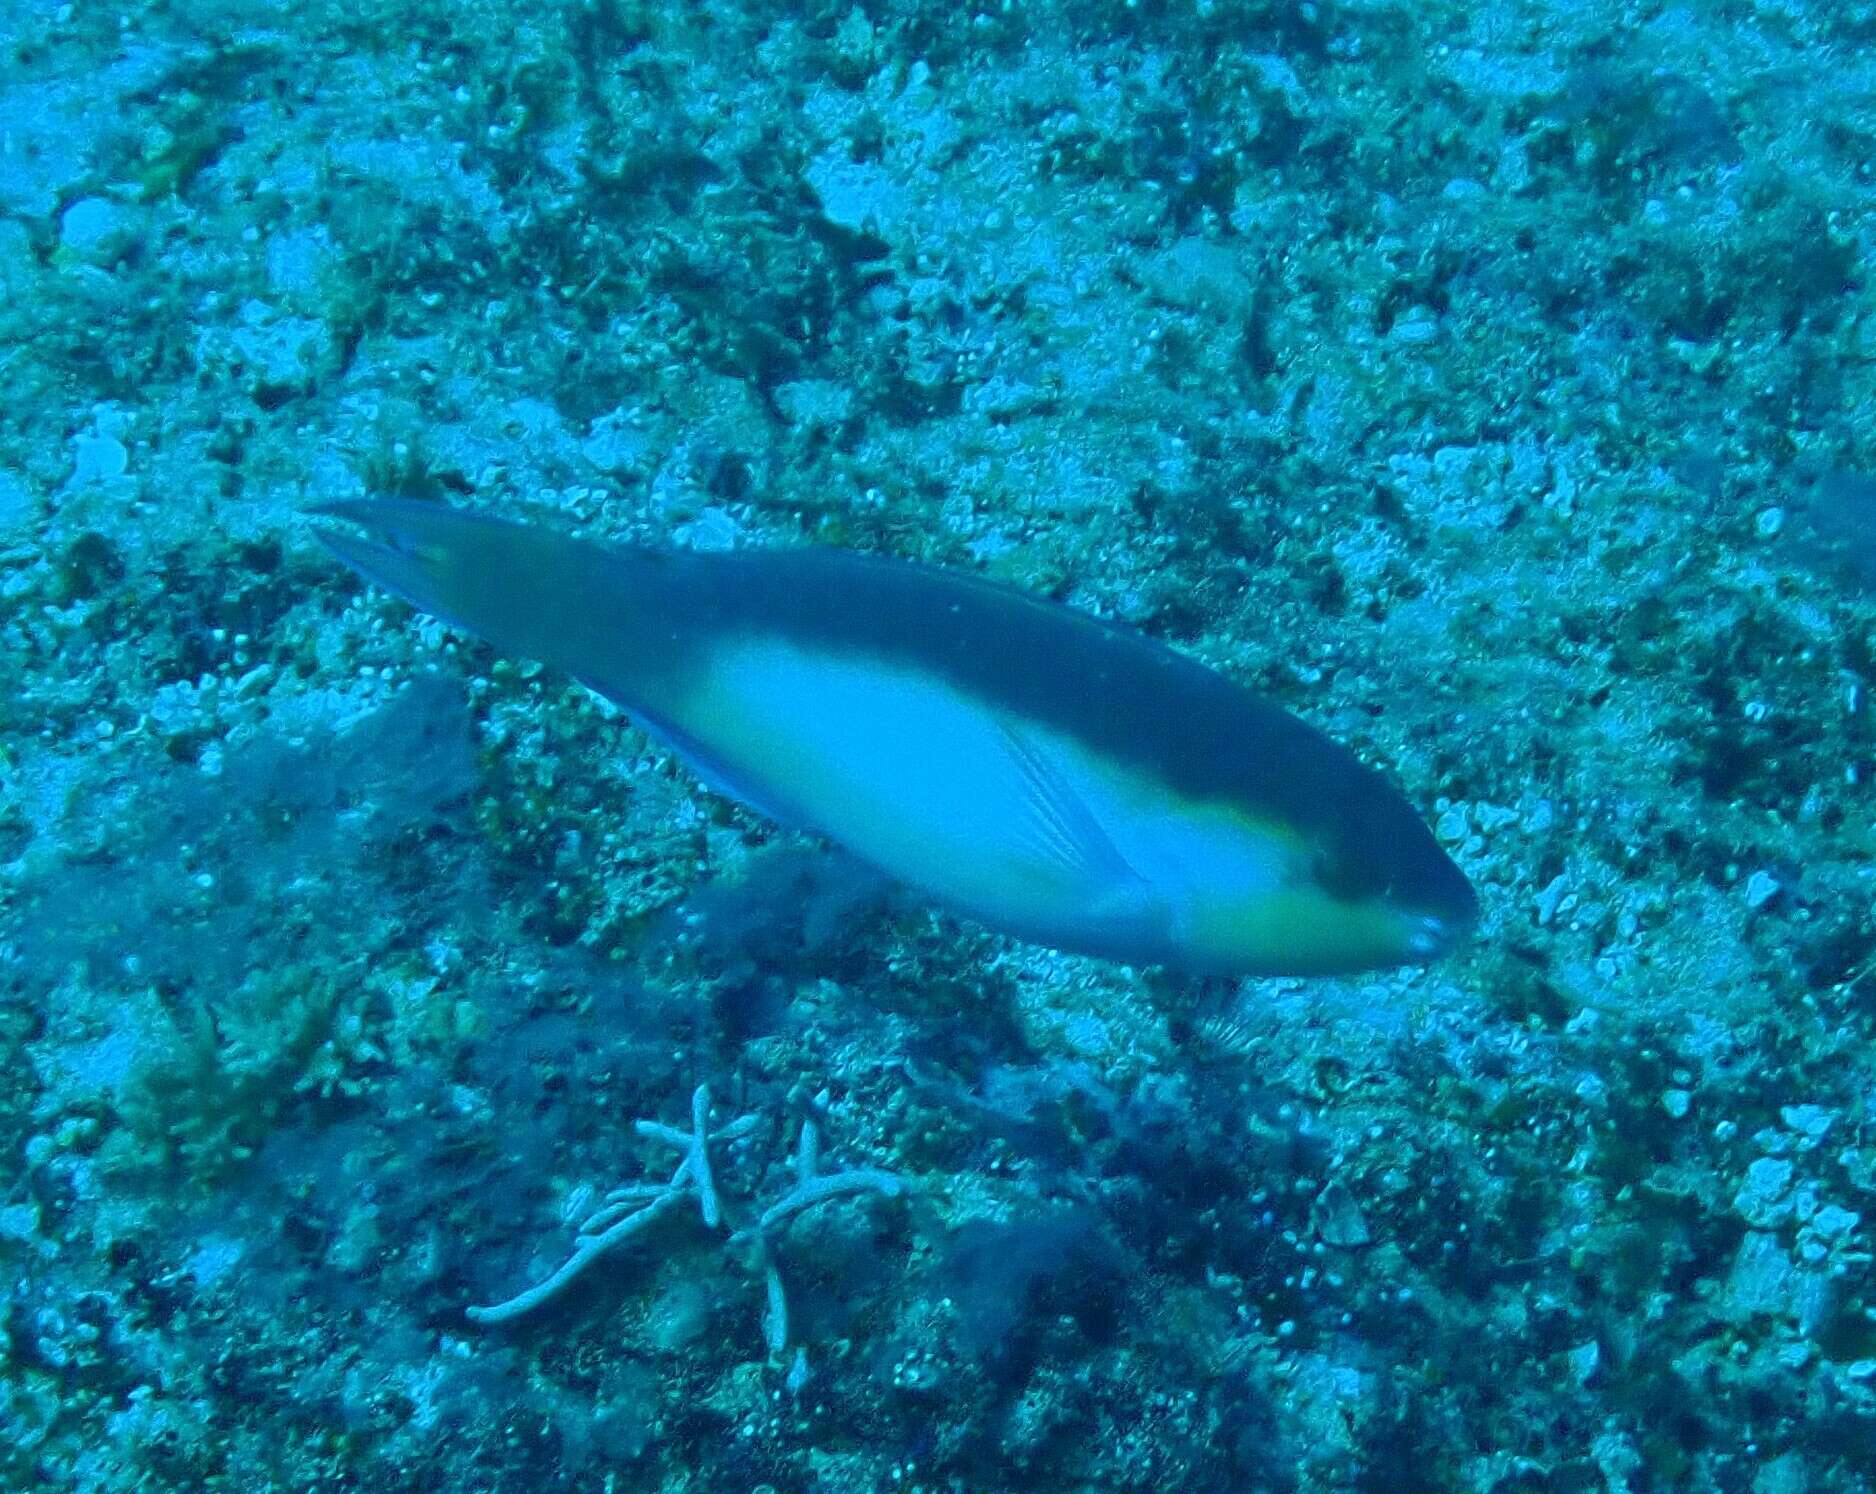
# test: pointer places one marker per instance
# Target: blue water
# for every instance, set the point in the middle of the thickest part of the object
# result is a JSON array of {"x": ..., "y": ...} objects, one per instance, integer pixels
[{"x": 1490, "y": 387}]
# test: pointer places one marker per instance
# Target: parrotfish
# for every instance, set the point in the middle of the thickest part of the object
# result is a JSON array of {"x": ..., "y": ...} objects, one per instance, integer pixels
[{"x": 1060, "y": 778}]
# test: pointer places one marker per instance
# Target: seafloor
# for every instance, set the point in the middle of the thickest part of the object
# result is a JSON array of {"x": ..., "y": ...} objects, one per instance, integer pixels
[{"x": 1492, "y": 384}]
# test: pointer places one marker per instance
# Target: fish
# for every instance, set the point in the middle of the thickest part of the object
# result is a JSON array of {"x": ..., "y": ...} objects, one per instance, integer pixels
[{"x": 1060, "y": 778}]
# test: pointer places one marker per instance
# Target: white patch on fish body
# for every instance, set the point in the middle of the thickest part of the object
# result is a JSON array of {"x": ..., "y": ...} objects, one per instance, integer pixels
[{"x": 1006, "y": 818}]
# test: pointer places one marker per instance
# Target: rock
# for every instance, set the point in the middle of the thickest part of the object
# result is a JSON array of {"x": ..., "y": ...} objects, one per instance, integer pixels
[
  {"x": 1337, "y": 1219},
  {"x": 1761, "y": 1280},
  {"x": 1832, "y": 1223},
  {"x": 857, "y": 195},
  {"x": 1550, "y": 897},
  {"x": 1417, "y": 327},
  {"x": 297, "y": 261},
  {"x": 98, "y": 458},
  {"x": 1782, "y": 1475},
  {"x": 20, "y": 1221},
  {"x": 1765, "y": 1199},
  {"x": 1201, "y": 275},
  {"x": 1809, "y": 1121},
  {"x": 16, "y": 504},
  {"x": 1761, "y": 888},
  {"x": 814, "y": 401},
  {"x": 1584, "y": 1360},
  {"x": 95, "y": 229},
  {"x": 615, "y": 445},
  {"x": 714, "y": 529},
  {"x": 284, "y": 353}
]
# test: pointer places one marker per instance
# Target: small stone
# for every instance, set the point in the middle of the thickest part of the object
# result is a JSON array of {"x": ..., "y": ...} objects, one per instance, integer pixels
[
  {"x": 1337, "y": 1218},
  {"x": 1452, "y": 827},
  {"x": 19, "y": 1221},
  {"x": 615, "y": 445},
  {"x": 1202, "y": 275},
  {"x": 814, "y": 402},
  {"x": 16, "y": 504},
  {"x": 1861, "y": 1369},
  {"x": 1785, "y": 1474},
  {"x": 283, "y": 353},
  {"x": 1550, "y": 897},
  {"x": 1585, "y": 1359},
  {"x": 1764, "y": 1201},
  {"x": 712, "y": 531},
  {"x": 1832, "y": 1223},
  {"x": 296, "y": 259},
  {"x": 1677, "y": 1102},
  {"x": 1761, "y": 1275},
  {"x": 1491, "y": 818},
  {"x": 1769, "y": 522},
  {"x": 1761, "y": 888},
  {"x": 1863, "y": 338},
  {"x": 98, "y": 458},
  {"x": 93, "y": 227},
  {"x": 254, "y": 682},
  {"x": 858, "y": 195},
  {"x": 1809, "y": 1121}
]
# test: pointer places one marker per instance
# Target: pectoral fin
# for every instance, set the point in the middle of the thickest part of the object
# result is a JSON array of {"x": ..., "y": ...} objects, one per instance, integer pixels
[{"x": 1059, "y": 828}]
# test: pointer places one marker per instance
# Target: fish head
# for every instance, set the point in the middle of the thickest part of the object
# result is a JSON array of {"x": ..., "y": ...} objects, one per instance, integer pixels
[
  {"x": 1375, "y": 886},
  {"x": 1334, "y": 882}
]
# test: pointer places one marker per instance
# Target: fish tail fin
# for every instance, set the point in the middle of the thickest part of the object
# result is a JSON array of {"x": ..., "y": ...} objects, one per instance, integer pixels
[{"x": 524, "y": 588}]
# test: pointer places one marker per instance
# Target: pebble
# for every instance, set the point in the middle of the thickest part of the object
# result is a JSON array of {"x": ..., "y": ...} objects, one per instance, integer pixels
[
  {"x": 93, "y": 227},
  {"x": 1552, "y": 895},
  {"x": 1833, "y": 1222},
  {"x": 1764, "y": 1200},
  {"x": 19, "y": 1221},
  {"x": 16, "y": 504},
  {"x": 1760, "y": 1280},
  {"x": 1809, "y": 1121},
  {"x": 1761, "y": 888},
  {"x": 1491, "y": 818},
  {"x": 1677, "y": 1102},
  {"x": 98, "y": 458},
  {"x": 1337, "y": 1217},
  {"x": 1417, "y": 328}
]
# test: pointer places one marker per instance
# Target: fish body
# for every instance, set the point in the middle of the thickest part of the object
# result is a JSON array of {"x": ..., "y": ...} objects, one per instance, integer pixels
[{"x": 1063, "y": 779}]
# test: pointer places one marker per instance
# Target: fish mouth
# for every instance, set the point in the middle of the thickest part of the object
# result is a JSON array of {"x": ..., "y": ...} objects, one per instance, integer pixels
[
  {"x": 416, "y": 551},
  {"x": 1431, "y": 935},
  {"x": 377, "y": 527}
]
